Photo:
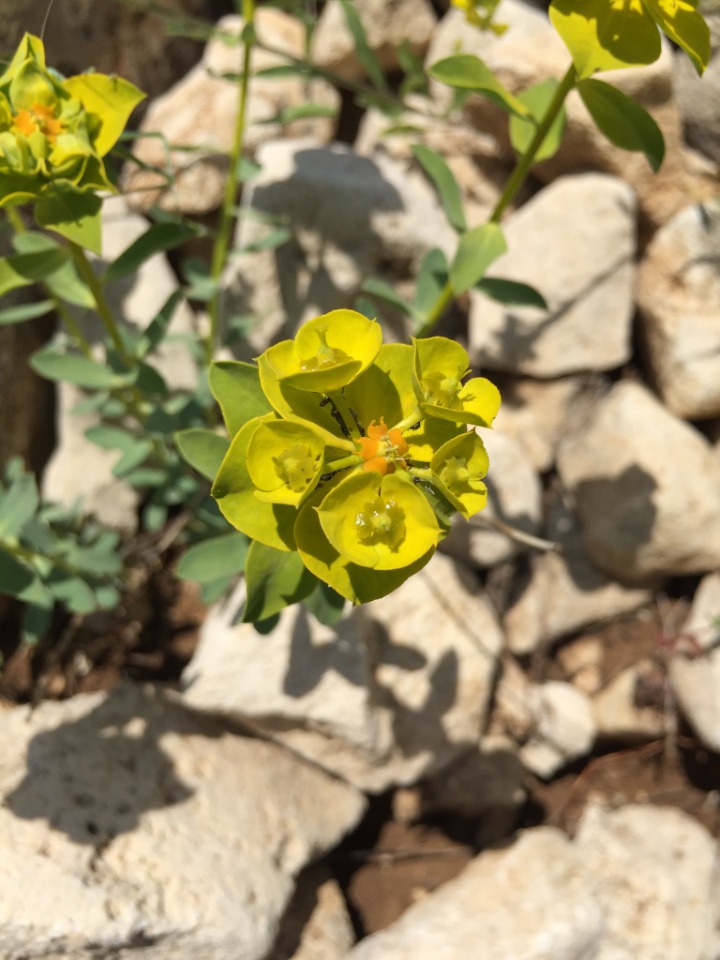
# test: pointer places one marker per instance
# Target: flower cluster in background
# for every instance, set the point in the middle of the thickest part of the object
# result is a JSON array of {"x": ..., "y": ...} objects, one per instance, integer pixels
[{"x": 364, "y": 453}]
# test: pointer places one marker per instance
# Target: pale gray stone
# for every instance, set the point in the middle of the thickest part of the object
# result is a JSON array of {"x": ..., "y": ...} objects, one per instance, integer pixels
[
  {"x": 200, "y": 111},
  {"x": 654, "y": 873},
  {"x": 397, "y": 690},
  {"x": 703, "y": 622},
  {"x": 145, "y": 831},
  {"x": 679, "y": 301},
  {"x": 696, "y": 684},
  {"x": 514, "y": 497},
  {"x": 535, "y": 412},
  {"x": 584, "y": 270},
  {"x": 639, "y": 883},
  {"x": 387, "y": 24},
  {"x": 632, "y": 704},
  {"x": 563, "y": 590},
  {"x": 699, "y": 97},
  {"x": 563, "y": 728},
  {"x": 646, "y": 485},
  {"x": 530, "y": 900},
  {"x": 351, "y": 218},
  {"x": 317, "y": 925}
]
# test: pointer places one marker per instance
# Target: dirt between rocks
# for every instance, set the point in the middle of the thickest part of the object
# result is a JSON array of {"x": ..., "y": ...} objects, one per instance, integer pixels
[{"x": 388, "y": 863}]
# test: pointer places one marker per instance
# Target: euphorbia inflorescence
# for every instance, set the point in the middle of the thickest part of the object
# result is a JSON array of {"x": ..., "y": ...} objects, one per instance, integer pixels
[
  {"x": 364, "y": 454},
  {"x": 54, "y": 134}
]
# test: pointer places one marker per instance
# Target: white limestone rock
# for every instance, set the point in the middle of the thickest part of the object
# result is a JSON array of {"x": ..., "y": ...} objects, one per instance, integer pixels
[
  {"x": 583, "y": 268},
  {"x": 679, "y": 302},
  {"x": 387, "y": 24},
  {"x": 563, "y": 590},
  {"x": 527, "y": 901},
  {"x": 535, "y": 413},
  {"x": 397, "y": 690},
  {"x": 703, "y": 622},
  {"x": 639, "y": 883},
  {"x": 646, "y": 486},
  {"x": 351, "y": 218},
  {"x": 631, "y": 706},
  {"x": 199, "y": 112},
  {"x": 563, "y": 728},
  {"x": 145, "y": 831},
  {"x": 696, "y": 684}
]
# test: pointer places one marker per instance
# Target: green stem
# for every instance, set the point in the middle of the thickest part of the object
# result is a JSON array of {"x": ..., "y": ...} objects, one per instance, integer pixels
[
  {"x": 227, "y": 212},
  {"x": 515, "y": 182},
  {"x": 350, "y": 461},
  {"x": 411, "y": 420},
  {"x": 525, "y": 162},
  {"x": 103, "y": 307},
  {"x": 342, "y": 407}
]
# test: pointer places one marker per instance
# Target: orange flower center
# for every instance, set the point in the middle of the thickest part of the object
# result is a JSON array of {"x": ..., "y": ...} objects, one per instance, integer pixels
[
  {"x": 38, "y": 117},
  {"x": 381, "y": 449}
]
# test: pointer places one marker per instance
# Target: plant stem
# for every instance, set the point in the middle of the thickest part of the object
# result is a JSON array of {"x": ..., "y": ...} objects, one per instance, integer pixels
[
  {"x": 101, "y": 302},
  {"x": 525, "y": 162},
  {"x": 227, "y": 214},
  {"x": 352, "y": 460},
  {"x": 515, "y": 181}
]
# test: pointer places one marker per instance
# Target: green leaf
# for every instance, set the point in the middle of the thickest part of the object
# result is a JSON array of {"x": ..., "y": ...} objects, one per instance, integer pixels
[
  {"x": 215, "y": 559},
  {"x": 465, "y": 71},
  {"x": 23, "y": 269},
  {"x": 275, "y": 579},
  {"x": 132, "y": 458},
  {"x": 303, "y": 111},
  {"x": 511, "y": 293},
  {"x": 55, "y": 267},
  {"x": 72, "y": 213},
  {"x": 270, "y": 241},
  {"x": 109, "y": 100},
  {"x": 680, "y": 20},
  {"x": 111, "y": 438},
  {"x": 73, "y": 368},
  {"x": 325, "y": 604},
  {"x": 445, "y": 184},
  {"x": 15, "y": 576},
  {"x": 25, "y": 311},
  {"x": 202, "y": 449},
  {"x": 623, "y": 121},
  {"x": 156, "y": 330},
  {"x": 537, "y": 99},
  {"x": 605, "y": 36},
  {"x": 363, "y": 50},
  {"x": 156, "y": 239},
  {"x": 210, "y": 592},
  {"x": 18, "y": 505},
  {"x": 383, "y": 291},
  {"x": 35, "y": 623},
  {"x": 432, "y": 277},
  {"x": 477, "y": 249},
  {"x": 236, "y": 387},
  {"x": 72, "y": 591}
]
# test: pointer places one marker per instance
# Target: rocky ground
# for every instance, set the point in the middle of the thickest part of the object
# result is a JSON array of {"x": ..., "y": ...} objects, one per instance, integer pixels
[{"x": 520, "y": 748}]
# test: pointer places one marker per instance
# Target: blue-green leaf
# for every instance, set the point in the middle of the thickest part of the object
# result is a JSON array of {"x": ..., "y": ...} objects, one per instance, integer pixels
[
  {"x": 445, "y": 183},
  {"x": 202, "y": 449},
  {"x": 477, "y": 249},
  {"x": 275, "y": 579},
  {"x": 215, "y": 559},
  {"x": 236, "y": 387},
  {"x": 623, "y": 121}
]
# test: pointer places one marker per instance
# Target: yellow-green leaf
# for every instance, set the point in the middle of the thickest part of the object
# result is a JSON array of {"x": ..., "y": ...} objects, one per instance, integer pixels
[
  {"x": 109, "y": 101},
  {"x": 680, "y": 21},
  {"x": 623, "y": 121},
  {"x": 606, "y": 34},
  {"x": 465, "y": 71}
]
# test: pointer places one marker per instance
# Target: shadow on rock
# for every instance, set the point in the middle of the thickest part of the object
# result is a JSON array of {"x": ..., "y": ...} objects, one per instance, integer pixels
[
  {"x": 618, "y": 516},
  {"x": 332, "y": 198},
  {"x": 93, "y": 777},
  {"x": 309, "y": 662}
]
